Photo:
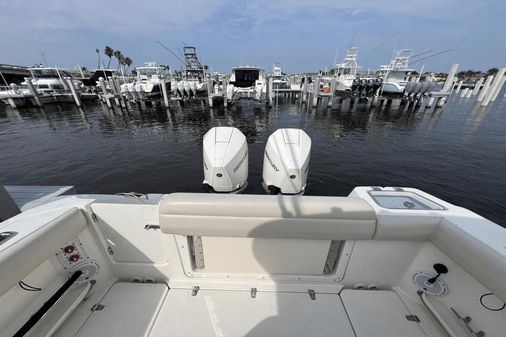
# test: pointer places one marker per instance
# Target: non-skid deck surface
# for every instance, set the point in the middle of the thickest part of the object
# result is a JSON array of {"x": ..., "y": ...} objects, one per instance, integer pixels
[
  {"x": 135, "y": 310},
  {"x": 379, "y": 313},
  {"x": 128, "y": 309},
  {"x": 235, "y": 313}
]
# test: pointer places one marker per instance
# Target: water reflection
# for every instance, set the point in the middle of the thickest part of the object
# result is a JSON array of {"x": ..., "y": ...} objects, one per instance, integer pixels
[{"x": 158, "y": 150}]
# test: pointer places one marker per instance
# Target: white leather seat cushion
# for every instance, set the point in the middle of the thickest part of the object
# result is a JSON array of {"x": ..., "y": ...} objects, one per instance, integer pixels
[{"x": 258, "y": 216}]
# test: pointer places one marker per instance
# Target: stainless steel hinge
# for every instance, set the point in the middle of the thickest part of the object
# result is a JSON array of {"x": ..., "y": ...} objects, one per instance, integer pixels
[
  {"x": 253, "y": 292},
  {"x": 109, "y": 249},
  {"x": 94, "y": 217},
  {"x": 312, "y": 294},
  {"x": 97, "y": 307},
  {"x": 195, "y": 290},
  {"x": 413, "y": 318}
]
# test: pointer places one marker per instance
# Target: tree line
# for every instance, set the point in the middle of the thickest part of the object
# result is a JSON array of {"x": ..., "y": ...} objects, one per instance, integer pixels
[{"x": 469, "y": 74}]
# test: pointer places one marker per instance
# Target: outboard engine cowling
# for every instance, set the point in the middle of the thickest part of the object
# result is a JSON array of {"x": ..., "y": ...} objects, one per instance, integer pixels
[
  {"x": 225, "y": 160},
  {"x": 286, "y": 162}
]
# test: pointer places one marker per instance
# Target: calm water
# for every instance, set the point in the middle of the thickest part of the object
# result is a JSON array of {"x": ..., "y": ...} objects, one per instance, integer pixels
[{"x": 457, "y": 153}]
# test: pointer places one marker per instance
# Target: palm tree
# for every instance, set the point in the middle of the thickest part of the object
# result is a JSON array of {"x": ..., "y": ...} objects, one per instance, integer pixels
[
  {"x": 118, "y": 56},
  {"x": 109, "y": 52},
  {"x": 128, "y": 61}
]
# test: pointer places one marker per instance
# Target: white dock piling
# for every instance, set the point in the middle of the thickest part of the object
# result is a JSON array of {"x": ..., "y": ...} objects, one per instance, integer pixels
[
  {"x": 448, "y": 85},
  {"x": 469, "y": 93},
  {"x": 101, "y": 81},
  {"x": 316, "y": 90},
  {"x": 449, "y": 80},
  {"x": 332, "y": 90},
  {"x": 304, "y": 90},
  {"x": 496, "y": 85},
  {"x": 498, "y": 90},
  {"x": 464, "y": 92},
  {"x": 459, "y": 86},
  {"x": 374, "y": 101},
  {"x": 73, "y": 90},
  {"x": 486, "y": 87},
  {"x": 166, "y": 101},
  {"x": 11, "y": 102},
  {"x": 210, "y": 92},
  {"x": 270, "y": 91},
  {"x": 429, "y": 102},
  {"x": 34, "y": 92},
  {"x": 477, "y": 86},
  {"x": 225, "y": 88}
]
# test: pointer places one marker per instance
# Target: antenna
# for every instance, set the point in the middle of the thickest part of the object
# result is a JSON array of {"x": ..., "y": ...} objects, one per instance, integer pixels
[
  {"x": 380, "y": 45},
  {"x": 44, "y": 57},
  {"x": 180, "y": 53},
  {"x": 170, "y": 51},
  {"x": 423, "y": 53},
  {"x": 352, "y": 39},
  {"x": 430, "y": 56},
  {"x": 335, "y": 59}
]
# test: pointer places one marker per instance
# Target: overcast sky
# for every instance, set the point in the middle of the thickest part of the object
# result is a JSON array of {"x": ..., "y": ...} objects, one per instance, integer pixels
[{"x": 302, "y": 35}]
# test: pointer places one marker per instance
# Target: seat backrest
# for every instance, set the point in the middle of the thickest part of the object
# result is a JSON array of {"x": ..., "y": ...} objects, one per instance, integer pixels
[{"x": 258, "y": 216}]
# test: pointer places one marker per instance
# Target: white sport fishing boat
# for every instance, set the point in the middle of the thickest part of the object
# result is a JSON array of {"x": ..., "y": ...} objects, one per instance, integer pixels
[
  {"x": 246, "y": 82},
  {"x": 396, "y": 74},
  {"x": 346, "y": 71},
  {"x": 44, "y": 80},
  {"x": 148, "y": 81},
  {"x": 49, "y": 79},
  {"x": 379, "y": 262},
  {"x": 279, "y": 79}
]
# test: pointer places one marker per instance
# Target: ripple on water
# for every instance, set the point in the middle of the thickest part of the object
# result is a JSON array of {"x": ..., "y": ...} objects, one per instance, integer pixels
[{"x": 456, "y": 154}]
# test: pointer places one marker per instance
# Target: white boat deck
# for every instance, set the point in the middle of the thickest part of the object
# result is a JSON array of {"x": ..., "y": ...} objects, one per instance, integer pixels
[{"x": 155, "y": 311}]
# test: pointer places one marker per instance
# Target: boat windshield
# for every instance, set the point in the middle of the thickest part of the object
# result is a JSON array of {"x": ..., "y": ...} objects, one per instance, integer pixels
[
  {"x": 246, "y": 77},
  {"x": 148, "y": 71},
  {"x": 48, "y": 73}
]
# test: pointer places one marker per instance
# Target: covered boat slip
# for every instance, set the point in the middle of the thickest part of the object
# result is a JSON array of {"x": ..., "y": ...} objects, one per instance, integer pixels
[{"x": 249, "y": 265}]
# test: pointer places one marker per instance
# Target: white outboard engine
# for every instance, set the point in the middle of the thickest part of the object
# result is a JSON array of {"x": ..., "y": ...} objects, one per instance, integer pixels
[
  {"x": 225, "y": 160},
  {"x": 286, "y": 162}
]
